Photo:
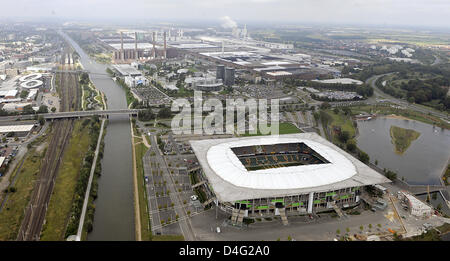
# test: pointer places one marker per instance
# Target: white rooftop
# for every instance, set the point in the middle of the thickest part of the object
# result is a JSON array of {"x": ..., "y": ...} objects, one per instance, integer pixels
[
  {"x": 16, "y": 128},
  {"x": 231, "y": 181},
  {"x": 341, "y": 81}
]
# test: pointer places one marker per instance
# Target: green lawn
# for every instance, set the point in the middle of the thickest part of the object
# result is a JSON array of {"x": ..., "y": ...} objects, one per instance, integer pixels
[
  {"x": 141, "y": 149},
  {"x": 413, "y": 115},
  {"x": 168, "y": 238},
  {"x": 343, "y": 121},
  {"x": 284, "y": 128},
  {"x": 60, "y": 204}
]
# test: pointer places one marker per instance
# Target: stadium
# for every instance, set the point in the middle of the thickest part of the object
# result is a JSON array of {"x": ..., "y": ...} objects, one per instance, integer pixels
[{"x": 281, "y": 175}]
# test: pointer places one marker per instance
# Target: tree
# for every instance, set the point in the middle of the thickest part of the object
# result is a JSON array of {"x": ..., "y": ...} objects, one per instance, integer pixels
[
  {"x": 351, "y": 145},
  {"x": 53, "y": 109},
  {"x": 84, "y": 78},
  {"x": 325, "y": 105},
  {"x": 336, "y": 110},
  {"x": 164, "y": 113},
  {"x": 41, "y": 120},
  {"x": 43, "y": 109},
  {"x": 28, "y": 109},
  {"x": 346, "y": 110},
  {"x": 344, "y": 136},
  {"x": 363, "y": 157},
  {"x": 390, "y": 174},
  {"x": 24, "y": 94}
]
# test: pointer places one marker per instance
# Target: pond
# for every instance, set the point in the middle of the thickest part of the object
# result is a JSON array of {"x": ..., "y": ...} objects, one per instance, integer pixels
[{"x": 422, "y": 163}]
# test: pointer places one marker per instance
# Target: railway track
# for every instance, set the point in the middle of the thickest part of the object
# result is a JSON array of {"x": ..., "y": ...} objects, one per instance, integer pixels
[{"x": 34, "y": 216}]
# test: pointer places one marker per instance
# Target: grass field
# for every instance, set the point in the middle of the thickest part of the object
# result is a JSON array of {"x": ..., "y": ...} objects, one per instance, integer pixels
[
  {"x": 402, "y": 138},
  {"x": 12, "y": 213},
  {"x": 413, "y": 115},
  {"x": 140, "y": 149},
  {"x": 341, "y": 121},
  {"x": 61, "y": 200},
  {"x": 168, "y": 238},
  {"x": 284, "y": 128}
]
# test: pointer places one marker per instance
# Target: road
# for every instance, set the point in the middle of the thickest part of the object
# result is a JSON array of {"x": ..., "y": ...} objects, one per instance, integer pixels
[{"x": 185, "y": 223}]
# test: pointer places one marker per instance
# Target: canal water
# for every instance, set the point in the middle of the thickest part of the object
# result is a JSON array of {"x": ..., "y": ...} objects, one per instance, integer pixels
[
  {"x": 422, "y": 163},
  {"x": 114, "y": 210}
]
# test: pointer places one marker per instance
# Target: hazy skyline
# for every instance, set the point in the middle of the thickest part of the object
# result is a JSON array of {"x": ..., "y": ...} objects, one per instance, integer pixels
[{"x": 364, "y": 12}]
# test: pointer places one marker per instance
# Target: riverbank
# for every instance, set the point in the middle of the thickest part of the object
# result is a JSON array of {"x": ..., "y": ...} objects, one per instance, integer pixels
[{"x": 140, "y": 147}]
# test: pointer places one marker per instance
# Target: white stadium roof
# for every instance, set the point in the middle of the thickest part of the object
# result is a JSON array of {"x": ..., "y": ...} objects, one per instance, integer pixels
[
  {"x": 30, "y": 77},
  {"x": 31, "y": 84},
  {"x": 231, "y": 181}
]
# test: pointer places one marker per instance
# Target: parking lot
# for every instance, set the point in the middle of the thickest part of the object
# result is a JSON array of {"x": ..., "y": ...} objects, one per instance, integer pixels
[{"x": 169, "y": 192}]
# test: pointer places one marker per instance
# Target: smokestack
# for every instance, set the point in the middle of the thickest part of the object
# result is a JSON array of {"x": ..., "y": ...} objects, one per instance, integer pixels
[
  {"x": 121, "y": 46},
  {"x": 223, "y": 48},
  {"x": 136, "y": 55},
  {"x": 154, "y": 48},
  {"x": 165, "y": 46}
]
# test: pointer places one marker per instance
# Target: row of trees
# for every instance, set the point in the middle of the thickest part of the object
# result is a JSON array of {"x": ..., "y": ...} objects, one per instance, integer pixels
[{"x": 93, "y": 125}]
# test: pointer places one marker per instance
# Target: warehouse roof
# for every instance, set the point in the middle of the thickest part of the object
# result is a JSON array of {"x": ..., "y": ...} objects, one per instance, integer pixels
[
  {"x": 231, "y": 181},
  {"x": 16, "y": 128}
]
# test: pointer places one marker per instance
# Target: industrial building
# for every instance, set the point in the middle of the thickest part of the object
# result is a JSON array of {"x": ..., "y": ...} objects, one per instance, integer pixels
[
  {"x": 220, "y": 72},
  {"x": 229, "y": 76},
  {"x": 279, "y": 175},
  {"x": 18, "y": 130},
  {"x": 416, "y": 206},
  {"x": 131, "y": 81},
  {"x": 126, "y": 53},
  {"x": 208, "y": 85},
  {"x": 204, "y": 83},
  {"x": 127, "y": 70}
]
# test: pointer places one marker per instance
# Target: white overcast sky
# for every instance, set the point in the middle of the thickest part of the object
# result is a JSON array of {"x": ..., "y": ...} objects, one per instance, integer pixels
[{"x": 382, "y": 12}]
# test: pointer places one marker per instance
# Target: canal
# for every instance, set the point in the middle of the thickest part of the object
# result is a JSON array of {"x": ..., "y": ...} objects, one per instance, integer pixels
[
  {"x": 114, "y": 211},
  {"x": 422, "y": 163}
]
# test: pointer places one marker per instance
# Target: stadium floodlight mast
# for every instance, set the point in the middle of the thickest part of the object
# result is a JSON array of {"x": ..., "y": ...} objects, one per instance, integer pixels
[{"x": 253, "y": 111}]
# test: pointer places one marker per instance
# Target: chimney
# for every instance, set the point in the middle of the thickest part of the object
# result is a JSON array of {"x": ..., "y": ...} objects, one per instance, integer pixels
[
  {"x": 121, "y": 46},
  {"x": 154, "y": 48},
  {"x": 165, "y": 46},
  {"x": 136, "y": 55}
]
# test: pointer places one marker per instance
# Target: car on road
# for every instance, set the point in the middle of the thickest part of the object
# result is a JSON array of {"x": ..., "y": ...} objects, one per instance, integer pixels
[{"x": 218, "y": 229}]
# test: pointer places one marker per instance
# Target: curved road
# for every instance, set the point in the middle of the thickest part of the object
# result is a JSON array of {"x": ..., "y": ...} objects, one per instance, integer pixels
[{"x": 380, "y": 94}]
